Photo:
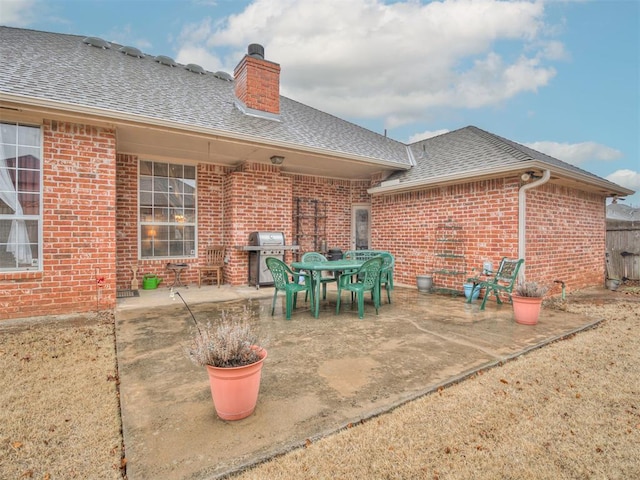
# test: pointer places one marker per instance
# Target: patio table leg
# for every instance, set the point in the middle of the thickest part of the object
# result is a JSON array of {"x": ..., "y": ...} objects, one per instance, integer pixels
[{"x": 315, "y": 275}]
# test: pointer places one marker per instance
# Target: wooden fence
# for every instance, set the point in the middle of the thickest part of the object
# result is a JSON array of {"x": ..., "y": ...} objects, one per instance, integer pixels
[{"x": 623, "y": 249}]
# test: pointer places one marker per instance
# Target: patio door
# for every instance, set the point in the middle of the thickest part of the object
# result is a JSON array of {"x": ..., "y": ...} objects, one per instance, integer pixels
[{"x": 360, "y": 227}]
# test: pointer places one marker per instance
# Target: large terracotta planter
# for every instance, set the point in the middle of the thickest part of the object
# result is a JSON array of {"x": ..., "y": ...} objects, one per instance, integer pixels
[
  {"x": 235, "y": 390},
  {"x": 526, "y": 310}
]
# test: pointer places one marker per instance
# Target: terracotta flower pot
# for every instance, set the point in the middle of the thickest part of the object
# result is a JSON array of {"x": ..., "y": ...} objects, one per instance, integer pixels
[
  {"x": 526, "y": 310},
  {"x": 235, "y": 390}
]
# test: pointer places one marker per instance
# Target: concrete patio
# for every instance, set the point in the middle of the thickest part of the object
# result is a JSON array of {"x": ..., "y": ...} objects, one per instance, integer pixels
[{"x": 320, "y": 376}]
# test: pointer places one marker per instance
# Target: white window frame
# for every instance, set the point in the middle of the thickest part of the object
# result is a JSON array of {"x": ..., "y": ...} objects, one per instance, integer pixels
[
  {"x": 12, "y": 148},
  {"x": 157, "y": 215}
]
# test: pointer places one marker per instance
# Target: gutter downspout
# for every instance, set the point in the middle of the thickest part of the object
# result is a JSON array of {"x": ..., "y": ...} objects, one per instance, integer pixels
[{"x": 522, "y": 224}]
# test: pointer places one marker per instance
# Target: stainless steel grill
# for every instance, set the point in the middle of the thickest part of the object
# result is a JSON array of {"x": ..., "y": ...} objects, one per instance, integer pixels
[{"x": 261, "y": 246}]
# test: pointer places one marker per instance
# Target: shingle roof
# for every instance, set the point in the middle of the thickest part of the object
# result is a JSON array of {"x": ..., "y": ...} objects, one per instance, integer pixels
[
  {"x": 470, "y": 151},
  {"x": 62, "y": 68}
]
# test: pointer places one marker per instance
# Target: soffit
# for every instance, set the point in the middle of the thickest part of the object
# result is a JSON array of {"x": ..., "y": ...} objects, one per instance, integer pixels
[{"x": 162, "y": 144}]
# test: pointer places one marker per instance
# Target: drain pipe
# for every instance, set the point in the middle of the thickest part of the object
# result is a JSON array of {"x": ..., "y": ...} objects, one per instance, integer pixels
[{"x": 522, "y": 223}]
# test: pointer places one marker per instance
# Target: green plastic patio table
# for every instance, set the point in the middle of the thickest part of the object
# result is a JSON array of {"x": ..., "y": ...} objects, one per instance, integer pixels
[{"x": 316, "y": 269}]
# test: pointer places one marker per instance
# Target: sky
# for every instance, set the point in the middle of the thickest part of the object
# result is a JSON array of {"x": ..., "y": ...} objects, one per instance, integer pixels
[{"x": 562, "y": 77}]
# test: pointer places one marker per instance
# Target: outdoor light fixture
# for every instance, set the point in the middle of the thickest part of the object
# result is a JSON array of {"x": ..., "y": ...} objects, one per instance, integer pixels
[
  {"x": 529, "y": 176},
  {"x": 277, "y": 160}
]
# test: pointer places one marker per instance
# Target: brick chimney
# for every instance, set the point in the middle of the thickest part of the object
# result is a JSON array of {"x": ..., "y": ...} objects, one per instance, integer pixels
[{"x": 257, "y": 82}]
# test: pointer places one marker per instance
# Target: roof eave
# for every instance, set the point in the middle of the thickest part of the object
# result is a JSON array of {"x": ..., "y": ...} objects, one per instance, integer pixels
[
  {"x": 611, "y": 188},
  {"x": 393, "y": 187},
  {"x": 121, "y": 118}
]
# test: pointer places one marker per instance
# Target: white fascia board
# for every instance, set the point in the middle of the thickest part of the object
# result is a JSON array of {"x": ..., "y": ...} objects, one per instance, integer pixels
[{"x": 442, "y": 179}]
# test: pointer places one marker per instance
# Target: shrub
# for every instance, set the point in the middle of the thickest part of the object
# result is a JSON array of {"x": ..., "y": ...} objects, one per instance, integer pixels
[
  {"x": 531, "y": 289},
  {"x": 231, "y": 343}
]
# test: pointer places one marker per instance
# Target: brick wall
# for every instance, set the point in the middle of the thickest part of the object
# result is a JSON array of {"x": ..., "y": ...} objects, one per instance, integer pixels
[
  {"x": 565, "y": 230},
  {"x": 210, "y": 191},
  {"x": 78, "y": 227},
  {"x": 231, "y": 204},
  {"x": 257, "y": 198},
  {"x": 88, "y": 210},
  {"x": 127, "y": 220},
  {"x": 568, "y": 244},
  {"x": 337, "y": 195},
  {"x": 408, "y": 224}
]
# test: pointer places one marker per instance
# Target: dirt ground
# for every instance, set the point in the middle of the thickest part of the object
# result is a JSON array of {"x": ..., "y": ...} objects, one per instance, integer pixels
[{"x": 569, "y": 410}]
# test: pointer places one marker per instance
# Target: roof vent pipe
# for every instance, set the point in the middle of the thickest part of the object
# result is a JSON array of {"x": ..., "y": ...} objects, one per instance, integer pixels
[
  {"x": 256, "y": 50},
  {"x": 522, "y": 223}
]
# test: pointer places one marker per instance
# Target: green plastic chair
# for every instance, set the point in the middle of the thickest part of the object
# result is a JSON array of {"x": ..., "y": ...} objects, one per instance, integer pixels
[
  {"x": 367, "y": 280},
  {"x": 282, "y": 281},
  {"x": 324, "y": 279},
  {"x": 503, "y": 281},
  {"x": 386, "y": 274}
]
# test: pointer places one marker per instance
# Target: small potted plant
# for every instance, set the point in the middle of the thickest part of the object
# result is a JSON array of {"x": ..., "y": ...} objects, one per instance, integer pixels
[
  {"x": 233, "y": 357},
  {"x": 527, "y": 301}
]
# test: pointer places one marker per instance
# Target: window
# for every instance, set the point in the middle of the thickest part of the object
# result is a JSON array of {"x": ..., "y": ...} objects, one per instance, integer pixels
[
  {"x": 167, "y": 199},
  {"x": 20, "y": 197}
]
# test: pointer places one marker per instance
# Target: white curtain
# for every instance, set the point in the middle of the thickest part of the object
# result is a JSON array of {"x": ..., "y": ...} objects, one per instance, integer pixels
[{"x": 18, "y": 242}]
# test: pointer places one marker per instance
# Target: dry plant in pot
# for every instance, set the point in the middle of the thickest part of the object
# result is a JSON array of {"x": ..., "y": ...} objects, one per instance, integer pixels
[
  {"x": 527, "y": 302},
  {"x": 233, "y": 356}
]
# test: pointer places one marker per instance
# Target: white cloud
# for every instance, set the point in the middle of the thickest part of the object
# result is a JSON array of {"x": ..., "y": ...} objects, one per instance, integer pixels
[
  {"x": 554, "y": 51},
  {"x": 626, "y": 178},
  {"x": 195, "y": 46},
  {"x": 492, "y": 81},
  {"x": 125, "y": 35},
  {"x": 200, "y": 56},
  {"x": 416, "y": 137},
  {"x": 577, "y": 153},
  {"x": 17, "y": 13},
  {"x": 411, "y": 57},
  {"x": 631, "y": 180}
]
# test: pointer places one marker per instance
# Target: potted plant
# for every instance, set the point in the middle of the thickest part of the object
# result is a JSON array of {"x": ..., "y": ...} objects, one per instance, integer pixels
[
  {"x": 527, "y": 301},
  {"x": 233, "y": 357}
]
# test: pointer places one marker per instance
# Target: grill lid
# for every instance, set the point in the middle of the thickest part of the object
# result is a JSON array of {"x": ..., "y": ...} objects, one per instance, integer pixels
[{"x": 266, "y": 239}]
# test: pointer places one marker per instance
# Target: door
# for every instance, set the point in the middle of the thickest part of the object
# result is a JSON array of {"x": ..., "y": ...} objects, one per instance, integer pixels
[{"x": 360, "y": 227}]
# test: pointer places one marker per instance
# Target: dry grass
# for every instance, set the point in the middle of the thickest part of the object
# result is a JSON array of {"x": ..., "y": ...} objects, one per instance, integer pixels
[
  {"x": 570, "y": 410},
  {"x": 58, "y": 402}
]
